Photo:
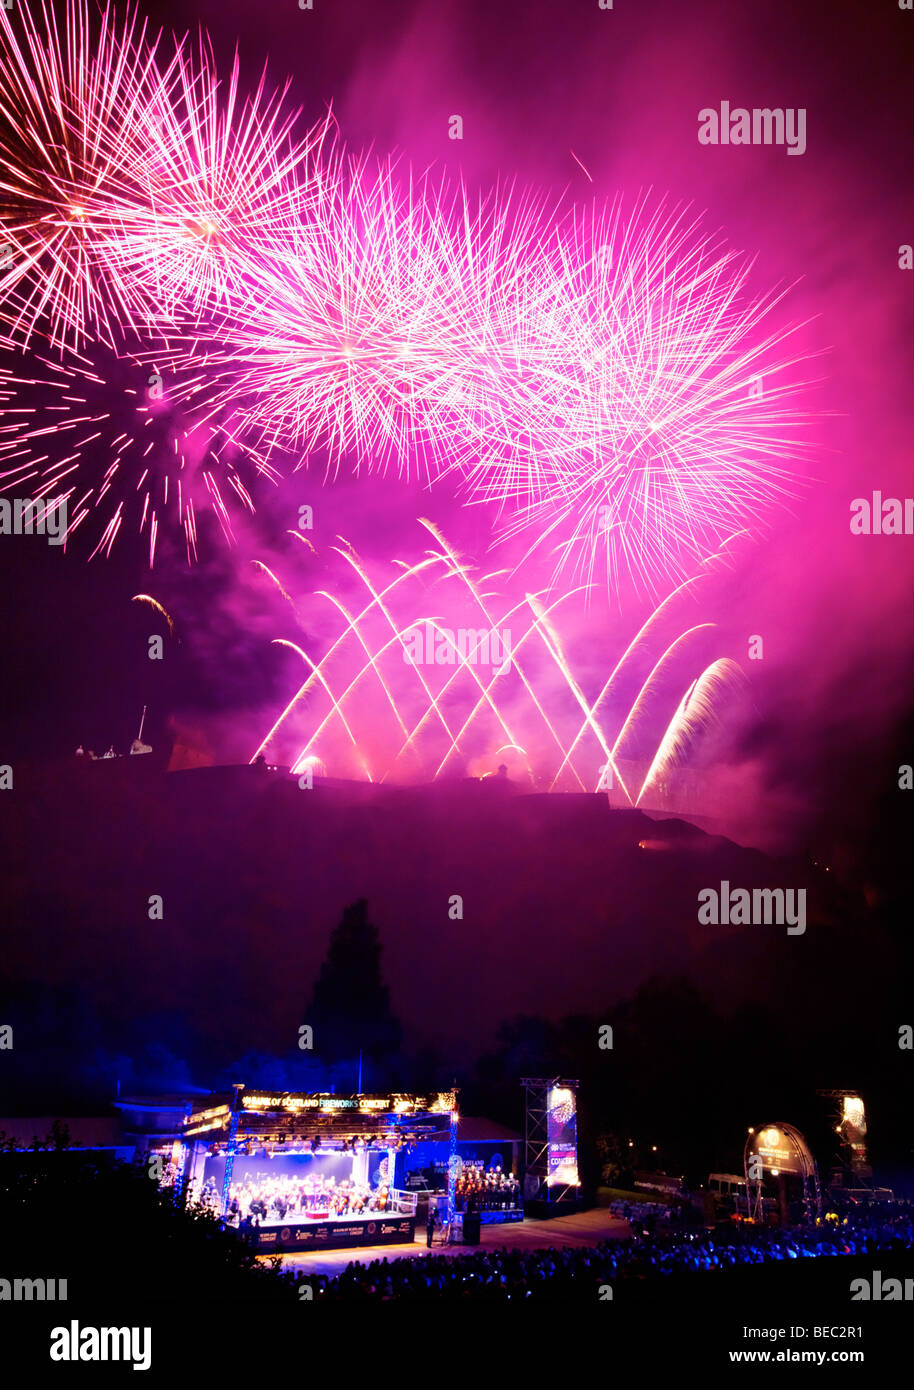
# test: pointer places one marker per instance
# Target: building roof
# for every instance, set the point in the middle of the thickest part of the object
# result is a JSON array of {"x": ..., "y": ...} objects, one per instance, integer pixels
[{"x": 176, "y": 1100}]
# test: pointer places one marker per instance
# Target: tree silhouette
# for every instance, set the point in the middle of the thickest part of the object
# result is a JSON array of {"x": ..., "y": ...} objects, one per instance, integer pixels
[
  {"x": 350, "y": 1010},
  {"x": 74, "y": 1209}
]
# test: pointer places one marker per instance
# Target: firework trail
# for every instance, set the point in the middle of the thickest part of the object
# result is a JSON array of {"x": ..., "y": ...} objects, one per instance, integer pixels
[
  {"x": 450, "y": 711},
  {"x": 697, "y": 710},
  {"x": 651, "y": 684},
  {"x": 460, "y": 571},
  {"x": 154, "y": 603},
  {"x": 640, "y": 637},
  {"x": 265, "y": 569}
]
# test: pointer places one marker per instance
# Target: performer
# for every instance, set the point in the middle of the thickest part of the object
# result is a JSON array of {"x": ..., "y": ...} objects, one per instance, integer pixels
[{"x": 430, "y": 1224}]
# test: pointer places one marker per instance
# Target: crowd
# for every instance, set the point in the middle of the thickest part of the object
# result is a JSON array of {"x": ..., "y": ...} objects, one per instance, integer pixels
[
  {"x": 648, "y": 1213},
  {"x": 501, "y": 1273},
  {"x": 481, "y": 1189},
  {"x": 266, "y": 1199}
]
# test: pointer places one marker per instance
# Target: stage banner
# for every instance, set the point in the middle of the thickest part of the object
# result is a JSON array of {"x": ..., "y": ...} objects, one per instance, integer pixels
[
  {"x": 778, "y": 1155},
  {"x": 563, "y": 1137},
  {"x": 332, "y": 1235}
]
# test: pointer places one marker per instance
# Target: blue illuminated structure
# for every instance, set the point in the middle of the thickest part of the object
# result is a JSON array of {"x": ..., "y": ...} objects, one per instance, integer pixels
[{"x": 232, "y": 1146}]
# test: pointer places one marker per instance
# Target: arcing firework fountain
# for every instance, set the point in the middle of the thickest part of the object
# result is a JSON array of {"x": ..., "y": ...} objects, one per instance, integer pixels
[{"x": 420, "y": 677}]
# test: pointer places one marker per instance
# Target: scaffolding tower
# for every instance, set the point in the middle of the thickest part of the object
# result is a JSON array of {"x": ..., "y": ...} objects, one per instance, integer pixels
[{"x": 539, "y": 1180}]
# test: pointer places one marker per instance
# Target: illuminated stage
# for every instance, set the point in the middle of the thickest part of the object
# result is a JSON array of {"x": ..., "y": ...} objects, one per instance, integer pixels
[
  {"x": 308, "y": 1171},
  {"x": 297, "y": 1171}
]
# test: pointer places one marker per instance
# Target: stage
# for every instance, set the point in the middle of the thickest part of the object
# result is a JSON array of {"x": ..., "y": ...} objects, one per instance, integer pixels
[{"x": 297, "y": 1172}]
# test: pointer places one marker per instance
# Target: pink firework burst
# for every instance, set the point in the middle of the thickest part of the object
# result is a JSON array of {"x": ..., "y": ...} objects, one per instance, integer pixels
[
  {"x": 606, "y": 379},
  {"x": 222, "y": 173},
  {"x": 343, "y": 338},
  {"x": 669, "y": 401},
  {"x": 130, "y": 183},
  {"x": 73, "y": 137},
  {"x": 123, "y": 446}
]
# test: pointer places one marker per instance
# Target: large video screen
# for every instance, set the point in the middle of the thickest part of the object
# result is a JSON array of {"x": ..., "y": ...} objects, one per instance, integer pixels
[
  {"x": 777, "y": 1153},
  {"x": 562, "y": 1132}
]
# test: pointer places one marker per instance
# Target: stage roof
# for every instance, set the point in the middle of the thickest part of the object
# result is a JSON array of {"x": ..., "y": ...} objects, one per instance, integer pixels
[{"x": 279, "y": 1116}]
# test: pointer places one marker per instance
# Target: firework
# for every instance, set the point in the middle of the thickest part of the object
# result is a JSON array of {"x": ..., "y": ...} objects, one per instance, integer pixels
[
  {"x": 675, "y": 417},
  {"x": 121, "y": 445},
  {"x": 344, "y": 336},
  {"x": 154, "y": 603},
  {"x": 697, "y": 710},
  {"x": 376, "y": 704},
  {"x": 132, "y": 182},
  {"x": 74, "y": 135},
  {"x": 605, "y": 378},
  {"x": 221, "y": 175}
]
